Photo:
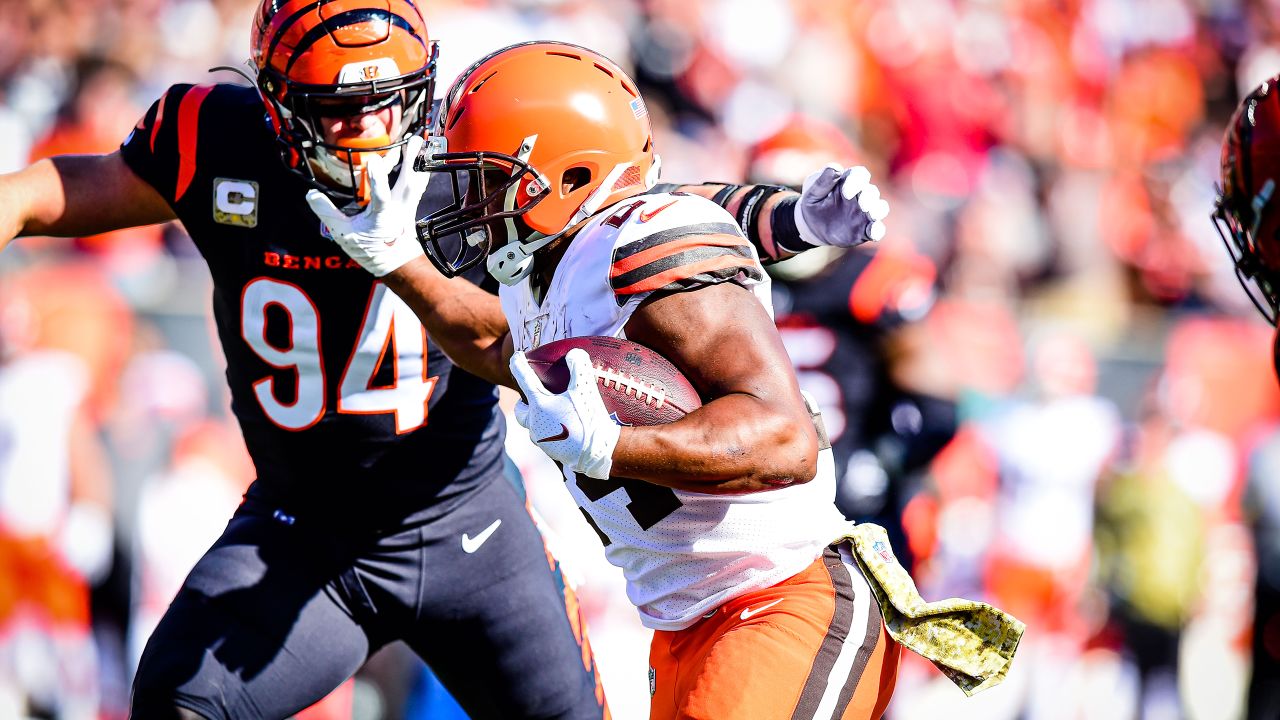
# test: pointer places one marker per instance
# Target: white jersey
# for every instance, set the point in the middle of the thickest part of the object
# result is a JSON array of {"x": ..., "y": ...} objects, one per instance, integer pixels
[{"x": 683, "y": 553}]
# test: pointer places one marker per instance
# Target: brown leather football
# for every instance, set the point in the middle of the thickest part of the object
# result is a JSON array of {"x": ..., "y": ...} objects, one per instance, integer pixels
[{"x": 639, "y": 386}]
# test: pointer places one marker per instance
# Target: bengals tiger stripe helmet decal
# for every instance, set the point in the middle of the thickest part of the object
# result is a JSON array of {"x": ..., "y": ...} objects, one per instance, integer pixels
[
  {"x": 1246, "y": 214},
  {"x": 347, "y": 59},
  {"x": 541, "y": 135}
]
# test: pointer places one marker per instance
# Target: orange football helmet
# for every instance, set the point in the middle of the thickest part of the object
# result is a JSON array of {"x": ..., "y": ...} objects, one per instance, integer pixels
[
  {"x": 536, "y": 137},
  {"x": 323, "y": 60},
  {"x": 1246, "y": 215}
]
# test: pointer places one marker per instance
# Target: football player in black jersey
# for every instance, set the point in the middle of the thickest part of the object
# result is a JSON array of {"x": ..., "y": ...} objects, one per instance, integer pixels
[
  {"x": 852, "y": 322},
  {"x": 1249, "y": 223},
  {"x": 380, "y": 511}
]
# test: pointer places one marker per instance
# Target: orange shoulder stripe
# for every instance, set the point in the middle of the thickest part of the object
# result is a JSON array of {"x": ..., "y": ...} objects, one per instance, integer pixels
[
  {"x": 188, "y": 127},
  {"x": 155, "y": 126},
  {"x": 662, "y": 279},
  {"x": 671, "y": 247}
]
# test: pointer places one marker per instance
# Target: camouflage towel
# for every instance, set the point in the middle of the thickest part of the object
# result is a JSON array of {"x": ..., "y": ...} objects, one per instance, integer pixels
[{"x": 971, "y": 642}]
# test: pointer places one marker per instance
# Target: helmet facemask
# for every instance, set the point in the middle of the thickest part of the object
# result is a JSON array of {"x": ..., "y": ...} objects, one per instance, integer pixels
[
  {"x": 1239, "y": 227},
  {"x": 541, "y": 136},
  {"x": 304, "y": 113},
  {"x": 1244, "y": 214},
  {"x": 491, "y": 191}
]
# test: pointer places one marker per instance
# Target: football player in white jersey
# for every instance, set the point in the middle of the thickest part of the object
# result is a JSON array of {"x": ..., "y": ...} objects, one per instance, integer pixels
[{"x": 726, "y": 529}]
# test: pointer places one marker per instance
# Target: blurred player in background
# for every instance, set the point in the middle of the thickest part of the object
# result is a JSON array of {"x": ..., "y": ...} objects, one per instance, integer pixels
[
  {"x": 1247, "y": 218},
  {"x": 361, "y": 505},
  {"x": 55, "y": 507},
  {"x": 852, "y": 322}
]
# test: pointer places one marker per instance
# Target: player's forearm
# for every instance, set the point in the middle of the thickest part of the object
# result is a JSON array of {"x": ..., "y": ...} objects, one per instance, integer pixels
[
  {"x": 465, "y": 321},
  {"x": 76, "y": 195},
  {"x": 735, "y": 444},
  {"x": 757, "y": 223},
  {"x": 31, "y": 201}
]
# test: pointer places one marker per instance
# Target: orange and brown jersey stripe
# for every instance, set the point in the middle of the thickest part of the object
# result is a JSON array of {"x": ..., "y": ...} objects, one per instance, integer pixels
[{"x": 682, "y": 258}]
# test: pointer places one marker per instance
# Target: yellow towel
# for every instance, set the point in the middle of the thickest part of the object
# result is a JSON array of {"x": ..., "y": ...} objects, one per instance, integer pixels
[{"x": 971, "y": 642}]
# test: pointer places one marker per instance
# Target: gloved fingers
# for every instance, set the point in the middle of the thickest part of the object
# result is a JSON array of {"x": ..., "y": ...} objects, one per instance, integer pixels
[
  {"x": 526, "y": 378},
  {"x": 872, "y": 204},
  {"x": 875, "y": 231},
  {"x": 329, "y": 214},
  {"x": 412, "y": 182},
  {"x": 521, "y": 411},
  {"x": 856, "y": 180},
  {"x": 820, "y": 183},
  {"x": 376, "y": 169},
  {"x": 868, "y": 198},
  {"x": 580, "y": 369}
]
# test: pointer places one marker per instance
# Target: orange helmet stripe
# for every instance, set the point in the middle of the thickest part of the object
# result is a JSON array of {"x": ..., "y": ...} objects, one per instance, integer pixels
[{"x": 351, "y": 18}]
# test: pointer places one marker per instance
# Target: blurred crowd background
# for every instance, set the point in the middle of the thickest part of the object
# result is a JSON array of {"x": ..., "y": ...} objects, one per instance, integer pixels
[{"x": 1110, "y": 468}]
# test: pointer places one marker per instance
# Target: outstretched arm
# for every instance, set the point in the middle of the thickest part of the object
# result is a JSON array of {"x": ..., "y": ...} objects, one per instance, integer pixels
[
  {"x": 465, "y": 321},
  {"x": 836, "y": 207},
  {"x": 76, "y": 195}
]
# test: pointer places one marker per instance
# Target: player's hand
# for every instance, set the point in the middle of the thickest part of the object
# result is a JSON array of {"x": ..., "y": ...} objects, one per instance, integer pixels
[
  {"x": 840, "y": 207},
  {"x": 573, "y": 428},
  {"x": 381, "y": 237}
]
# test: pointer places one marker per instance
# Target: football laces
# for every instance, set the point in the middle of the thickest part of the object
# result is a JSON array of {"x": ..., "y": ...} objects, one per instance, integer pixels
[{"x": 630, "y": 385}]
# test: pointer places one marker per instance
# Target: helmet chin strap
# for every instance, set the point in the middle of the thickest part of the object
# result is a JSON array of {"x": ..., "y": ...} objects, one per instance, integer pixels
[
  {"x": 514, "y": 261},
  {"x": 651, "y": 177}
]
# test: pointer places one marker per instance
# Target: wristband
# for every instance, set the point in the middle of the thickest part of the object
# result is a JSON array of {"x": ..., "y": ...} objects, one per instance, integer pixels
[
  {"x": 726, "y": 193},
  {"x": 751, "y": 205},
  {"x": 786, "y": 236}
]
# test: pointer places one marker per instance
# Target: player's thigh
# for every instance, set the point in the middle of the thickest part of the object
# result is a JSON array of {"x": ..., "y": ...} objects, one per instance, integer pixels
[
  {"x": 812, "y": 647},
  {"x": 255, "y": 631},
  {"x": 499, "y": 626}
]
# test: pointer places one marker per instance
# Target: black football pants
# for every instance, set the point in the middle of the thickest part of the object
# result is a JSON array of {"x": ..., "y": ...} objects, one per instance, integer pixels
[{"x": 282, "y": 610}]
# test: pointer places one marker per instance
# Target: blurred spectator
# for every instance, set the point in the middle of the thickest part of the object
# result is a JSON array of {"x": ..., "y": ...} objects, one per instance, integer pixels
[
  {"x": 1151, "y": 541},
  {"x": 95, "y": 117},
  {"x": 55, "y": 520},
  {"x": 1263, "y": 505}
]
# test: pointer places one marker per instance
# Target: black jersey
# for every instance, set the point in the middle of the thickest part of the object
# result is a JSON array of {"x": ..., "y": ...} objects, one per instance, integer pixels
[
  {"x": 835, "y": 325},
  {"x": 340, "y": 394}
]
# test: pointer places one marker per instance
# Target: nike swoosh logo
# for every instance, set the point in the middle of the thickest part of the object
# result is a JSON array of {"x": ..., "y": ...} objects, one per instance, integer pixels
[
  {"x": 562, "y": 435},
  {"x": 748, "y": 612},
  {"x": 472, "y": 544},
  {"x": 647, "y": 215}
]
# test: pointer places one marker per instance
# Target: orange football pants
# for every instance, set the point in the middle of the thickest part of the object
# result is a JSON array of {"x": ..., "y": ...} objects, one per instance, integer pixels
[{"x": 812, "y": 646}]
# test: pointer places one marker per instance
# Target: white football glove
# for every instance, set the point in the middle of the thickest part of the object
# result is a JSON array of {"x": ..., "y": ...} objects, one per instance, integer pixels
[
  {"x": 381, "y": 237},
  {"x": 840, "y": 207},
  {"x": 572, "y": 428}
]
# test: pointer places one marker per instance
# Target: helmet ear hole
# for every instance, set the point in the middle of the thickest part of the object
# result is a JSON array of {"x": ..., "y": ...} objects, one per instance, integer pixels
[{"x": 574, "y": 178}]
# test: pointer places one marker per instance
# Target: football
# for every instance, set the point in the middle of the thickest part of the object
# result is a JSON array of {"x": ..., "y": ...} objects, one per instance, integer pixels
[{"x": 639, "y": 386}]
